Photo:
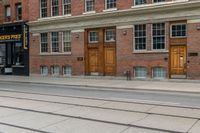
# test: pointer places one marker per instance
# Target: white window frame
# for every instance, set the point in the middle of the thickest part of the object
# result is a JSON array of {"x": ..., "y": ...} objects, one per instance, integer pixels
[
  {"x": 165, "y": 46},
  {"x": 51, "y": 42},
  {"x": 106, "y": 8},
  {"x": 52, "y": 9},
  {"x": 68, "y": 52},
  {"x": 175, "y": 24},
  {"x": 52, "y": 72},
  {"x": 105, "y": 35},
  {"x": 89, "y": 37},
  {"x": 41, "y": 43},
  {"x": 86, "y": 7},
  {"x": 140, "y": 77},
  {"x": 143, "y": 50},
  {"x": 44, "y": 74},
  {"x": 64, "y": 70},
  {"x": 63, "y": 7},
  {"x": 41, "y": 10},
  {"x": 139, "y": 4},
  {"x": 165, "y": 73}
]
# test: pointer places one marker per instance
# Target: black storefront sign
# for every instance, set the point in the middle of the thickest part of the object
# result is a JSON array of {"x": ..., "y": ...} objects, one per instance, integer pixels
[{"x": 14, "y": 51}]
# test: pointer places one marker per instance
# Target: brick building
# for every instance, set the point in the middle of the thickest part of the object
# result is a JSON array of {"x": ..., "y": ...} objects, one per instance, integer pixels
[
  {"x": 14, "y": 37},
  {"x": 149, "y": 38}
]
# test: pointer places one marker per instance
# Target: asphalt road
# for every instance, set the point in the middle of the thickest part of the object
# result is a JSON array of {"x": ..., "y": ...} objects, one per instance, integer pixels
[{"x": 155, "y": 97}]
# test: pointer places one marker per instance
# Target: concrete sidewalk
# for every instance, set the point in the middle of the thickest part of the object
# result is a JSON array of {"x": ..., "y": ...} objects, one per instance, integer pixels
[{"x": 192, "y": 86}]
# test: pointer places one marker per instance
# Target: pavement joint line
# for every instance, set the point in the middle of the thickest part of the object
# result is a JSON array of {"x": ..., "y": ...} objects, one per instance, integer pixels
[
  {"x": 193, "y": 125},
  {"x": 103, "y": 87},
  {"x": 124, "y": 130},
  {"x": 81, "y": 118},
  {"x": 98, "y": 107},
  {"x": 21, "y": 127},
  {"x": 102, "y": 99}
]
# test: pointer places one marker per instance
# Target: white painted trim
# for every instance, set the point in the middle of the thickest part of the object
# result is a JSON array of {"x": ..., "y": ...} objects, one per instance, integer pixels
[
  {"x": 90, "y": 12},
  {"x": 158, "y": 50},
  {"x": 125, "y": 27},
  {"x": 135, "y": 50},
  {"x": 77, "y": 31},
  {"x": 110, "y": 10},
  {"x": 193, "y": 21},
  {"x": 174, "y": 24}
]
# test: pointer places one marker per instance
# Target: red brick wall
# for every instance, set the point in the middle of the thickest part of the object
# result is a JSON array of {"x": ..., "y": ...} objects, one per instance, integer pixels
[
  {"x": 127, "y": 59},
  {"x": 36, "y": 60},
  {"x": 193, "y": 46},
  {"x": 12, "y": 4}
]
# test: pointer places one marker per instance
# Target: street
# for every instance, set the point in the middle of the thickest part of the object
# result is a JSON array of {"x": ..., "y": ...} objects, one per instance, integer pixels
[{"x": 45, "y": 108}]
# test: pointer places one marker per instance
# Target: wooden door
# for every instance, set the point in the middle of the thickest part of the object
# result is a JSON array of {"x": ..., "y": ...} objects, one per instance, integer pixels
[
  {"x": 109, "y": 60},
  {"x": 93, "y": 60},
  {"x": 178, "y": 60}
]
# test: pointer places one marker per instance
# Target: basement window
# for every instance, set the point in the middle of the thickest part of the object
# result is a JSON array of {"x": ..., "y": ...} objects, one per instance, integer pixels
[
  {"x": 140, "y": 72},
  {"x": 159, "y": 73},
  {"x": 44, "y": 70}
]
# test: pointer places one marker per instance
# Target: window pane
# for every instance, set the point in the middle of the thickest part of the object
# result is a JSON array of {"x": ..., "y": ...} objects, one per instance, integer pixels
[
  {"x": 89, "y": 5},
  {"x": 67, "y": 70},
  {"x": 178, "y": 30},
  {"x": 54, "y": 8},
  {"x": 111, "y": 4},
  {"x": 43, "y": 11},
  {"x": 55, "y": 41},
  {"x": 44, "y": 70},
  {"x": 140, "y": 72},
  {"x": 110, "y": 35},
  {"x": 93, "y": 36},
  {"x": 55, "y": 70},
  {"x": 67, "y": 6},
  {"x": 67, "y": 41},
  {"x": 140, "y": 2},
  {"x": 159, "y": 72},
  {"x": 44, "y": 42},
  {"x": 18, "y": 12},
  {"x": 140, "y": 37},
  {"x": 158, "y": 36}
]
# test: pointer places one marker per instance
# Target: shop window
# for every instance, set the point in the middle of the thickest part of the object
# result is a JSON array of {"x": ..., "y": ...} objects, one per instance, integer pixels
[
  {"x": 159, "y": 72},
  {"x": 89, "y": 5},
  {"x": 55, "y": 70},
  {"x": 43, "y": 8},
  {"x": 140, "y": 2},
  {"x": 178, "y": 30},
  {"x": 93, "y": 37},
  {"x": 55, "y": 41},
  {"x": 2, "y": 54},
  {"x": 18, "y": 12},
  {"x": 110, "y": 35},
  {"x": 66, "y": 7},
  {"x": 18, "y": 54},
  {"x": 67, "y": 70},
  {"x": 67, "y": 41},
  {"x": 44, "y": 70},
  {"x": 140, "y": 37},
  {"x": 111, "y": 4},
  {"x": 44, "y": 42},
  {"x": 7, "y": 13},
  {"x": 140, "y": 72},
  {"x": 54, "y": 8},
  {"x": 158, "y": 30}
]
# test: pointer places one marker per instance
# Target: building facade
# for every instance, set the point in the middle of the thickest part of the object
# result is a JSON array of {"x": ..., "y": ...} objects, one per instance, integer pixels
[
  {"x": 14, "y": 37},
  {"x": 149, "y": 38}
]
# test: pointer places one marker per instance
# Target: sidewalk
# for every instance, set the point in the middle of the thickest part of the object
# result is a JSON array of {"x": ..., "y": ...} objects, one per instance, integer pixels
[{"x": 192, "y": 86}]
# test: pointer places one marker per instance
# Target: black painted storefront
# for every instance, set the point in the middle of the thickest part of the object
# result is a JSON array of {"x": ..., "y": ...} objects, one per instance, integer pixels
[{"x": 14, "y": 49}]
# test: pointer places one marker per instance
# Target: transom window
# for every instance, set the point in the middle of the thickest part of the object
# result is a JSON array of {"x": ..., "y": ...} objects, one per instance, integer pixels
[
  {"x": 44, "y": 70},
  {"x": 110, "y": 35},
  {"x": 158, "y": 36},
  {"x": 67, "y": 41},
  {"x": 67, "y": 70},
  {"x": 110, "y": 4},
  {"x": 67, "y": 7},
  {"x": 93, "y": 36},
  {"x": 44, "y": 42},
  {"x": 18, "y": 11},
  {"x": 54, "y": 8},
  {"x": 178, "y": 30},
  {"x": 140, "y": 2},
  {"x": 159, "y": 72},
  {"x": 140, "y": 72},
  {"x": 43, "y": 8},
  {"x": 156, "y": 1},
  {"x": 55, "y": 70},
  {"x": 140, "y": 37},
  {"x": 55, "y": 41},
  {"x": 89, "y": 5}
]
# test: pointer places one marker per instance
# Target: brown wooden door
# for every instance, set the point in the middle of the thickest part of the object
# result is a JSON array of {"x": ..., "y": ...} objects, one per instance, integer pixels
[
  {"x": 93, "y": 60},
  {"x": 110, "y": 63},
  {"x": 178, "y": 60}
]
